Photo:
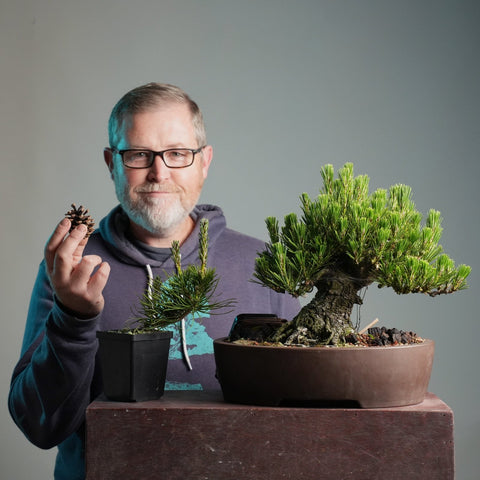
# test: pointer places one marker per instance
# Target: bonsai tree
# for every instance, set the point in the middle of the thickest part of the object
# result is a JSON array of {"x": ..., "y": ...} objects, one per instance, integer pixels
[
  {"x": 346, "y": 239},
  {"x": 134, "y": 368},
  {"x": 188, "y": 291}
]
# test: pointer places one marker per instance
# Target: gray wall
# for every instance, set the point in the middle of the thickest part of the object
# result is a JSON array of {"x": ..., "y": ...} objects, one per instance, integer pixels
[{"x": 392, "y": 86}]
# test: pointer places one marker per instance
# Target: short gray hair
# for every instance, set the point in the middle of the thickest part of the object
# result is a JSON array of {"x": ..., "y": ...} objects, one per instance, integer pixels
[{"x": 144, "y": 98}]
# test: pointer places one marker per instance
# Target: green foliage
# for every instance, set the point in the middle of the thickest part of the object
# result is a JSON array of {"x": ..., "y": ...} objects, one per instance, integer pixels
[
  {"x": 369, "y": 237},
  {"x": 188, "y": 291}
]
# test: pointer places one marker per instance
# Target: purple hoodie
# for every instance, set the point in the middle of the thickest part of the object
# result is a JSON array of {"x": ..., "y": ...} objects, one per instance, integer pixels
[{"x": 58, "y": 375}]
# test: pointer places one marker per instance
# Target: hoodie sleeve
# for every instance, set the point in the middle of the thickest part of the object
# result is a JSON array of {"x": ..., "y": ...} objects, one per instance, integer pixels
[{"x": 50, "y": 387}]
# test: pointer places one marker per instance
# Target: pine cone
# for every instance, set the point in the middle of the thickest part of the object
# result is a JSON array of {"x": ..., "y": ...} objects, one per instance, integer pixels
[{"x": 80, "y": 215}]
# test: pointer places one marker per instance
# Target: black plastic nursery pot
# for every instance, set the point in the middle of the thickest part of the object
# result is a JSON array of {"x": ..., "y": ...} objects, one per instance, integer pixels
[{"x": 134, "y": 367}]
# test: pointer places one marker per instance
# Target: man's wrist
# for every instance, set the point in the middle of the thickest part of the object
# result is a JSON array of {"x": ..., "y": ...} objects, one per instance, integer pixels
[{"x": 72, "y": 313}]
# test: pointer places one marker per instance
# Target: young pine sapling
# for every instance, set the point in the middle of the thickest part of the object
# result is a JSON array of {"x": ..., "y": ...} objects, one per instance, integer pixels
[{"x": 187, "y": 291}]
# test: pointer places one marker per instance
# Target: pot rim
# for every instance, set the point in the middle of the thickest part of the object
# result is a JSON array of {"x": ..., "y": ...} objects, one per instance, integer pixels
[
  {"x": 350, "y": 348},
  {"x": 159, "y": 334}
]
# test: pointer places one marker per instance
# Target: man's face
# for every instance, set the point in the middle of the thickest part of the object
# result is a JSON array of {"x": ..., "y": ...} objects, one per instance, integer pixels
[{"x": 159, "y": 199}]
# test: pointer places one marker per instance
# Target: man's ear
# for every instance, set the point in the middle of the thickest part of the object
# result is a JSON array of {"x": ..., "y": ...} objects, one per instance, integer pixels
[
  {"x": 207, "y": 155},
  {"x": 108, "y": 157}
]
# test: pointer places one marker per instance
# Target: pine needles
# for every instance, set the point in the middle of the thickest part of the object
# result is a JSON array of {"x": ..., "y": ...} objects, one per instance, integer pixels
[
  {"x": 188, "y": 291},
  {"x": 370, "y": 237}
]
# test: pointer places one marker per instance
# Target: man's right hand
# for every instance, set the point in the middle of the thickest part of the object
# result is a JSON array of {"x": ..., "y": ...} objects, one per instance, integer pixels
[{"x": 75, "y": 279}]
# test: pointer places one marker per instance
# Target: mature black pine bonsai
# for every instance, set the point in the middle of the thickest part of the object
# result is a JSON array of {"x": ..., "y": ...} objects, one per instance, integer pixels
[{"x": 346, "y": 239}]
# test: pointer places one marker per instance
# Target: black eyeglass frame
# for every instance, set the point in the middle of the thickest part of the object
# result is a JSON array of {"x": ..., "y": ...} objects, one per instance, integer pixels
[{"x": 154, "y": 155}]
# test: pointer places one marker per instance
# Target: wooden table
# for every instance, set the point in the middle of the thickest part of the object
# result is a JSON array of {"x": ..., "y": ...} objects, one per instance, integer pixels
[{"x": 195, "y": 435}]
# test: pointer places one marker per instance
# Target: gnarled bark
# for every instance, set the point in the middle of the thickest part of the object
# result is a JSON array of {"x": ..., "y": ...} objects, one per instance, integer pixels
[{"x": 326, "y": 318}]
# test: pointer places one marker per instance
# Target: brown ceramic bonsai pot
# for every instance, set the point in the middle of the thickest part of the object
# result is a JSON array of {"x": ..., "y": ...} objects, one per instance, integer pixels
[{"x": 365, "y": 377}]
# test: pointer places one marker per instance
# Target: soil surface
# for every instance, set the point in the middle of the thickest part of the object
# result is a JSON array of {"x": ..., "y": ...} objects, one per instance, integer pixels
[
  {"x": 256, "y": 330},
  {"x": 382, "y": 336}
]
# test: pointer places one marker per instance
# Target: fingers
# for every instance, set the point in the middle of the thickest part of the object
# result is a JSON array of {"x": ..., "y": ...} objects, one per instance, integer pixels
[
  {"x": 70, "y": 246},
  {"x": 82, "y": 292},
  {"x": 66, "y": 258},
  {"x": 55, "y": 241},
  {"x": 78, "y": 281},
  {"x": 96, "y": 285},
  {"x": 82, "y": 272}
]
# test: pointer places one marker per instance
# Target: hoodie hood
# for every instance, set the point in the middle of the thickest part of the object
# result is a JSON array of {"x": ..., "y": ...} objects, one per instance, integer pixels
[{"x": 114, "y": 231}]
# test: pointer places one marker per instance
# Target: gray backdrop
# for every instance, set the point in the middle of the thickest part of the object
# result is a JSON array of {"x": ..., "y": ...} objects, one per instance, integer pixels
[{"x": 286, "y": 87}]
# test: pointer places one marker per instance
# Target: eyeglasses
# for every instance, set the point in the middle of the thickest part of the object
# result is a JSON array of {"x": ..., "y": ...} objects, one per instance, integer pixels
[{"x": 172, "y": 158}]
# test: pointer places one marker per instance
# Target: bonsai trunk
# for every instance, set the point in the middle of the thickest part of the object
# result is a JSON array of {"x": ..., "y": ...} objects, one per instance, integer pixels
[{"x": 326, "y": 319}]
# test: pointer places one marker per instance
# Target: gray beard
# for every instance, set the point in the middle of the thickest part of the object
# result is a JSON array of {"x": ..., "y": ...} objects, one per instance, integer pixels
[{"x": 155, "y": 215}]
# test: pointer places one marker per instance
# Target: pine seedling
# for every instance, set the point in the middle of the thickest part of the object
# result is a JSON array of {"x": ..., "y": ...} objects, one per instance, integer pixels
[{"x": 189, "y": 290}]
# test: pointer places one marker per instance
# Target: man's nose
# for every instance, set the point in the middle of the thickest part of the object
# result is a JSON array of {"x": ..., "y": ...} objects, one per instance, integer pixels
[{"x": 158, "y": 168}]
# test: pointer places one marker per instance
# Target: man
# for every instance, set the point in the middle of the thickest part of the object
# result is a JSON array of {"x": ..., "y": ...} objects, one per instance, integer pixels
[{"x": 158, "y": 159}]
